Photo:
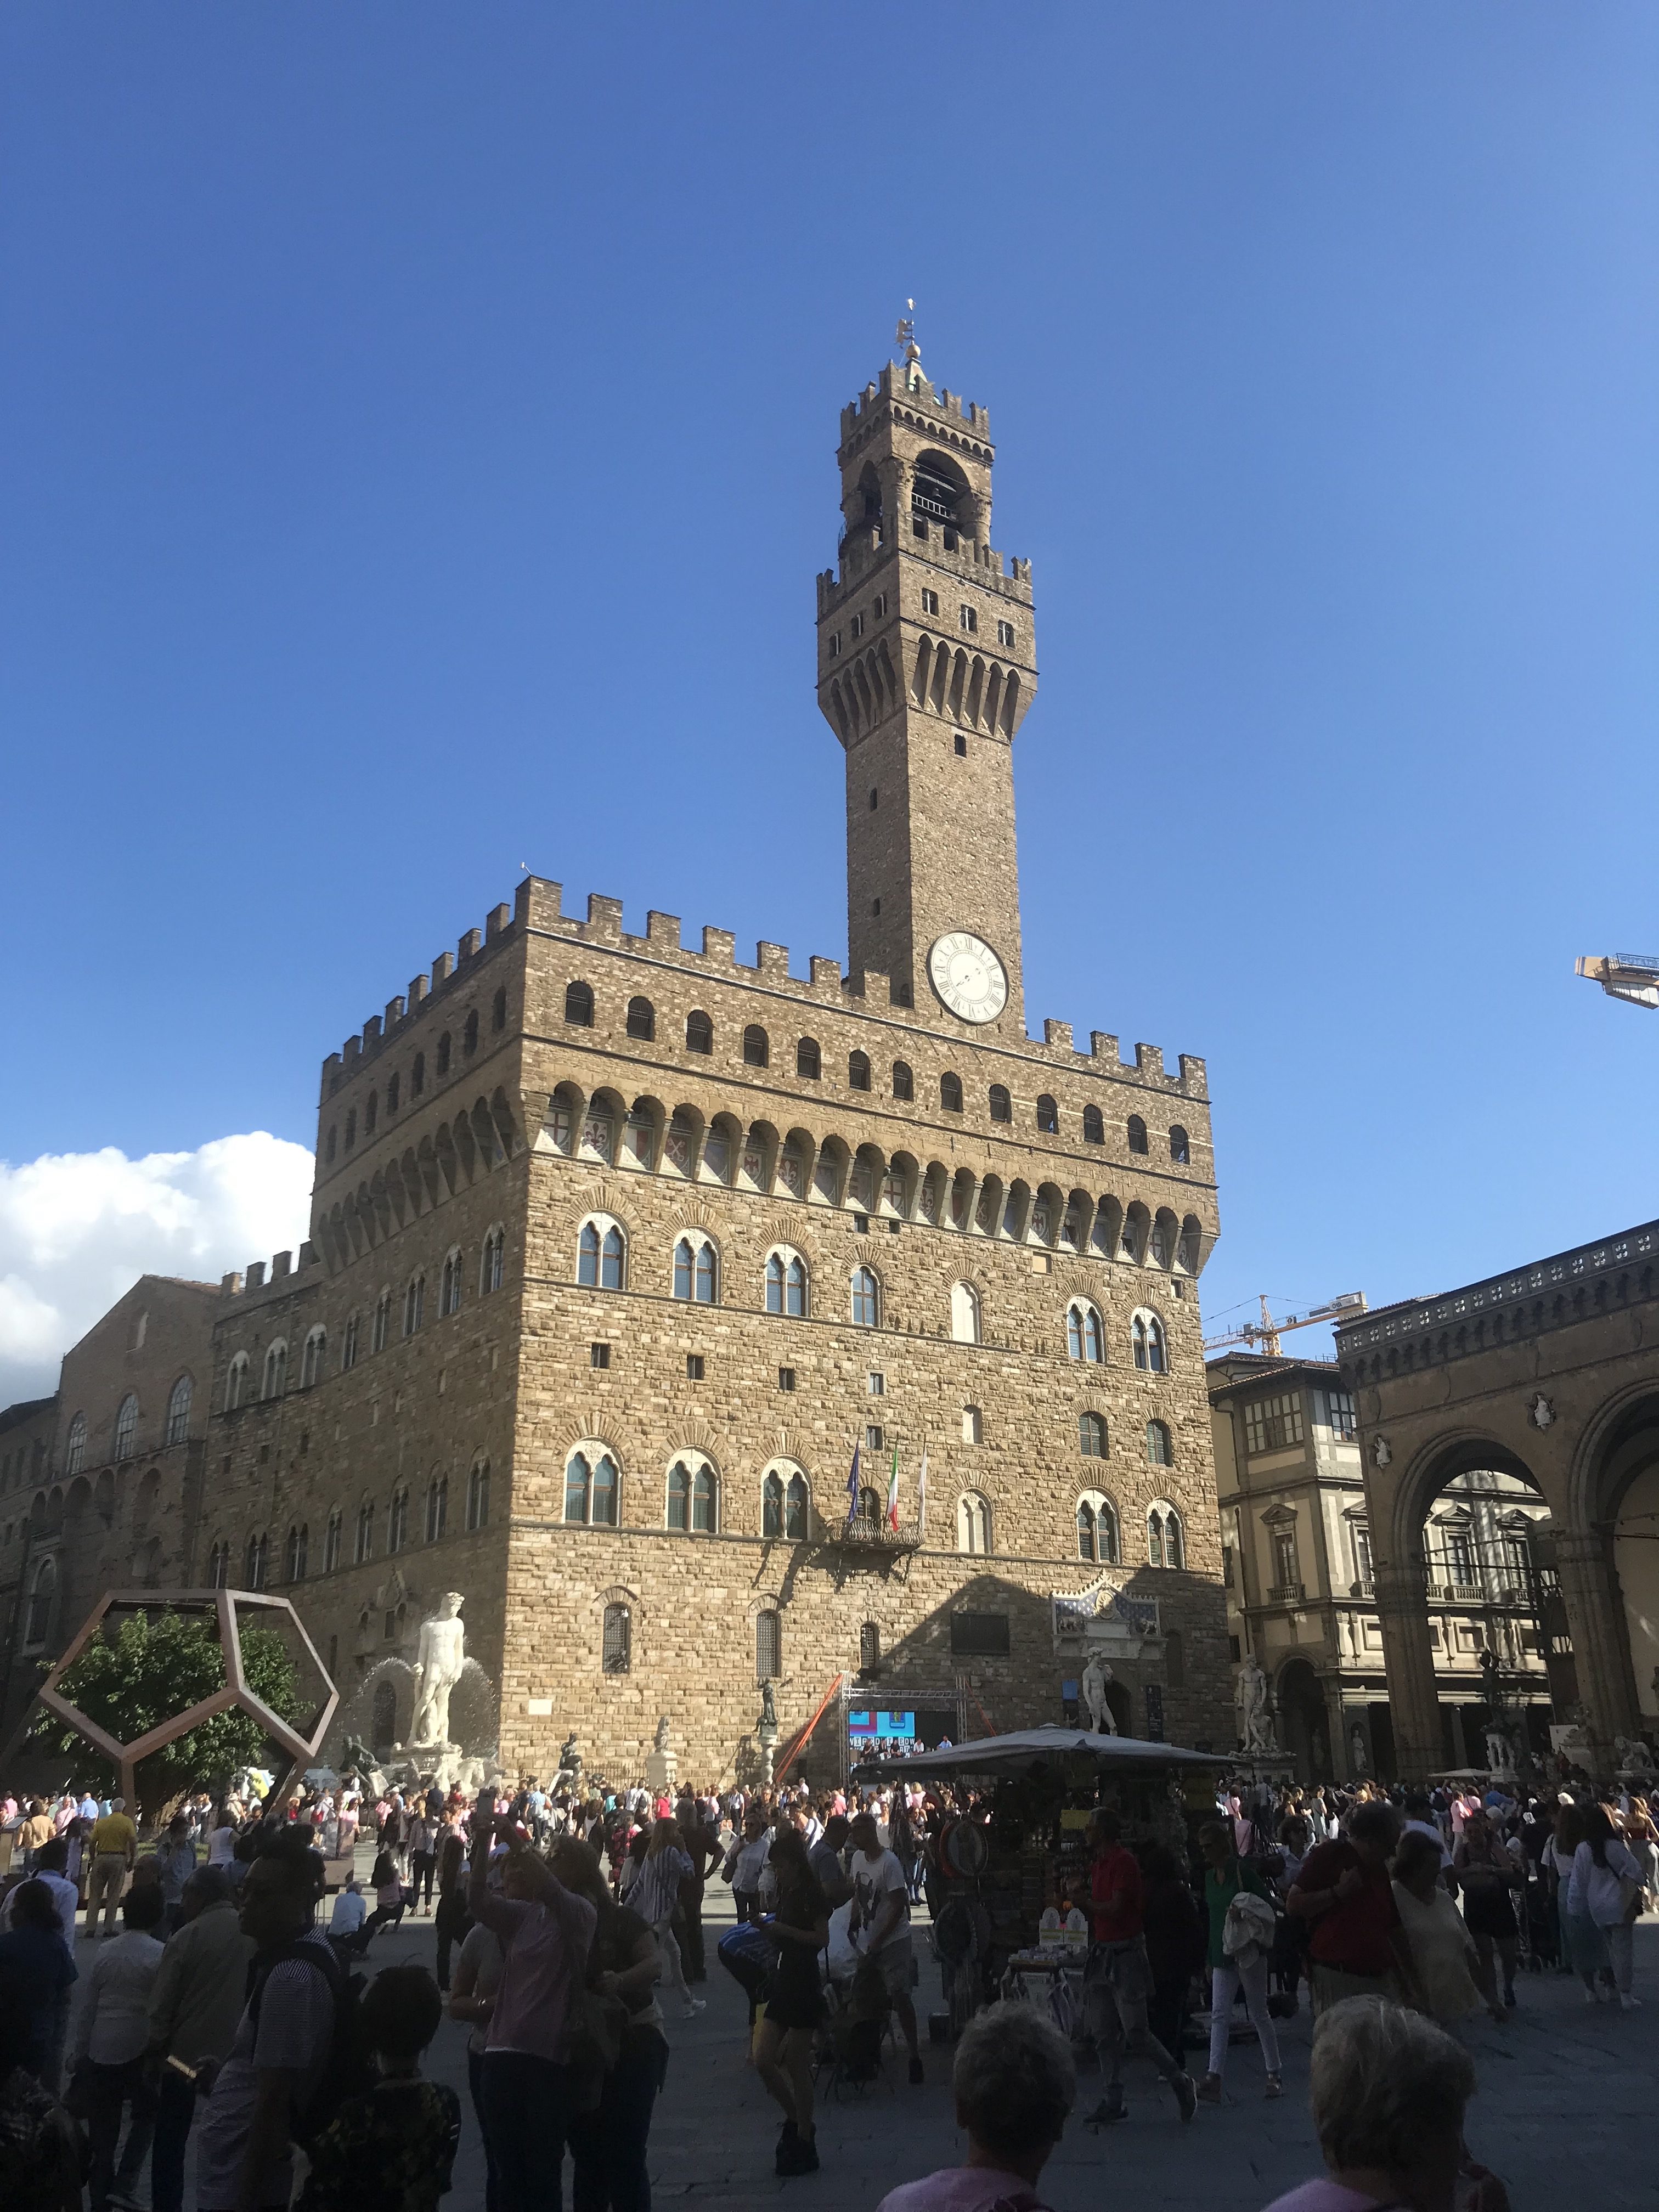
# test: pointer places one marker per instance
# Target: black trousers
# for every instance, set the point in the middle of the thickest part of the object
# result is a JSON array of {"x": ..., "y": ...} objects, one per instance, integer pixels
[
  {"x": 527, "y": 2104},
  {"x": 112, "y": 2091},
  {"x": 608, "y": 2146},
  {"x": 420, "y": 1865},
  {"x": 689, "y": 1928},
  {"x": 175, "y": 2111}
]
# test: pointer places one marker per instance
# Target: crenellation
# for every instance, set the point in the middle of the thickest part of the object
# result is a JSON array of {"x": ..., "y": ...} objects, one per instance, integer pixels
[
  {"x": 354, "y": 1052},
  {"x": 1058, "y": 1035},
  {"x": 371, "y": 1037},
  {"x": 826, "y": 976},
  {"x": 772, "y": 961},
  {"x": 536, "y": 903},
  {"x": 420, "y": 990},
  {"x": 720, "y": 944},
  {"x": 1194, "y": 1076},
  {"x": 662, "y": 931},
  {"x": 1149, "y": 1061},
  {"x": 605, "y": 918},
  {"x": 471, "y": 945},
  {"x": 281, "y": 1266},
  {"x": 443, "y": 968},
  {"x": 497, "y": 922},
  {"x": 394, "y": 1014},
  {"x": 1102, "y": 1047}
]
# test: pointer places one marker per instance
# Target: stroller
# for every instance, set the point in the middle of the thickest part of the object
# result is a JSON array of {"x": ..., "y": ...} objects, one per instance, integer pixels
[{"x": 851, "y": 2043}]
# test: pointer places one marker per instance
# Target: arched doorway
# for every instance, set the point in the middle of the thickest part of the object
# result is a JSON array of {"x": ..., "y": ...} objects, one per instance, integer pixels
[
  {"x": 383, "y": 1724},
  {"x": 1487, "y": 1548},
  {"x": 1120, "y": 1705},
  {"x": 1622, "y": 1505},
  {"x": 1304, "y": 1723}
]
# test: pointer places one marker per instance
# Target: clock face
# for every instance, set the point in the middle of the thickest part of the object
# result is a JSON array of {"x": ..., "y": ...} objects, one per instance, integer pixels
[{"x": 967, "y": 975}]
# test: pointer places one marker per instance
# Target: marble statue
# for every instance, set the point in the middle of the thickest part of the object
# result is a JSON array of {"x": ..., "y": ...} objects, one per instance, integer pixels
[
  {"x": 1500, "y": 1760},
  {"x": 662, "y": 1732},
  {"x": 1357, "y": 1749},
  {"x": 768, "y": 1711},
  {"x": 1632, "y": 1755},
  {"x": 1255, "y": 1727},
  {"x": 1095, "y": 1675},
  {"x": 437, "y": 1669},
  {"x": 570, "y": 1759}
]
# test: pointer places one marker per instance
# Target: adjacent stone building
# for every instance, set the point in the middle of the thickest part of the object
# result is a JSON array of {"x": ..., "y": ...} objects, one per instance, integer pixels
[
  {"x": 1301, "y": 1583},
  {"x": 619, "y": 1248}
]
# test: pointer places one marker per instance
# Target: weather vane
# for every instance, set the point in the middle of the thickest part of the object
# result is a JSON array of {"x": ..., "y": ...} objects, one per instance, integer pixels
[{"x": 906, "y": 332}]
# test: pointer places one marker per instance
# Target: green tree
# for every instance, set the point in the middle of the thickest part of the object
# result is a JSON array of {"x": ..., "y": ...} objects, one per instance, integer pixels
[{"x": 151, "y": 1668}]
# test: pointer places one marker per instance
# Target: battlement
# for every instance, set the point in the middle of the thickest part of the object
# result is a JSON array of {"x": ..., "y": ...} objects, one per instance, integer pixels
[
  {"x": 864, "y": 549},
  {"x": 283, "y": 1275},
  {"x": 538, "y": 909},
  {"x": 891, "y": 385}
]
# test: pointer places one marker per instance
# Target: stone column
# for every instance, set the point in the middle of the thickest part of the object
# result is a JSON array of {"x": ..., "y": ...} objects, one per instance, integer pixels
[
  {"x": 1589, "y": 1591},
  {"x": 1402, "y": 1607}
]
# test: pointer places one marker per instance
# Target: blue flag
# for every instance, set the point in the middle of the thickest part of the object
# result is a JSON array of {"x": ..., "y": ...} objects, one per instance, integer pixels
[{"x": 853, "y": 1488}]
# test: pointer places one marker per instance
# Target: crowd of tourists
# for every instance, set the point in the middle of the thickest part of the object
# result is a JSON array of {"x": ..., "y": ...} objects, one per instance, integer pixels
[{"x": 220, "y": 1997}]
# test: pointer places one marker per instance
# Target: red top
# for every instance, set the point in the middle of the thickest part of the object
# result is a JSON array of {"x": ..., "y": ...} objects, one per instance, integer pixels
[
  {"x": 1115, "y": 1893},
  {"x": 1354, "y": 1934}
]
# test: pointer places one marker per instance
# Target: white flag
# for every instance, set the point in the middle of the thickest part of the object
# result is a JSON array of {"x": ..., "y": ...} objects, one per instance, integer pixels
[{"x": 921, "y": 1497}]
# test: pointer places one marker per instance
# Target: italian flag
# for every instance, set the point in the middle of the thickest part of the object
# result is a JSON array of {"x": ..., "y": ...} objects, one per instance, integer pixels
[{"x": 892, "y": 1494}]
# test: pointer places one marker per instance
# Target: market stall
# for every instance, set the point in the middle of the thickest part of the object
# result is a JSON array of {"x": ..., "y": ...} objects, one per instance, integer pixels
[{"x": 1011, "y": 1868}]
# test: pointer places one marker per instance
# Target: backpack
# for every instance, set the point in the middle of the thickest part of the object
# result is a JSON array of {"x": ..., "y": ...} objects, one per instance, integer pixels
[{"x": 347, "y": 2070}]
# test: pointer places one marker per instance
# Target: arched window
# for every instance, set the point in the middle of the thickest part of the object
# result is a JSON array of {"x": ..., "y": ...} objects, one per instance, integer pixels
[
  {"x": 756, "y": 1050},
  {"x": 866, "y": 1298},
  {"x": 1002, "y": 1106},
  {"x": 617, "y": 1649},
  {"x": 1181, "y": 1151},
  {"x": 235, "y": 1385},
  {"x": 641, "y": 1020},
  {"x": 299, "y": 1546},
  {"x": 470, "y": 1035},
  {"x": 1137, "y": 1133},
  {"x": 858, "y": 1071},
  {"x": 950, "y": 1093},
  {"x": 127, "y": 1423},
  {"x": 693, "y": 1495},
  {"x": 772, "y": 1506},
  {"x": 351, "y": 1126},
  {"x": 449, "y": 1285},
  {"x": 602, "y": 1255},
  {"x": 414, "y": 1304},
  {"x": 332, "y": 1543},
  {"x": 697, "y": 1271},
  {"x": 365, "y": 1538},
  {"x": 437, "y": 1507},
  {"x": 332, "y": 1145},
  {"x": 1097, "y": 1529},
  {"x": 179, "y": 1411},
  {"x": 972, "y": 1523},
  {"x": 1146, "y": 1335},
  {"x": 493, "y": 1262},
  {"x": 785, "y": 1283},
  {"x": 796, "y": 1509},
  {"x": 371, "y": 1112},
  {"x": 275, "y": 1369},
  {"x": 219, "y": 1566},
  {"x": 578, "y": 1005},
  {"x": 1158, "y": 1453},
  {"x": 383, "y": 1724},
  {"x": 349, "y": 1345},
  {"x": 1048, "y": 1116},
  {"x": 808, "y": 1061},
  {"x": 75, "y": 1449},
  {"x": 382, "y": 1321},
  {"x": 964, "y": 1313},
  {"x": 699, "y": 1033},
  {"x": 768, "y": 1646},
  {"x": 1165, "y": 1542},
  {"x": 1094, "y": 1126},
  {"x": 253, "y": 1578},
  {"x": 393, "y": 1091},
  {"x": 869, "y": 1648},
  {"x": 311, "y": 1357},
  {"x": 785, "y": 1505},
  {"x": 443, "y": 1053},
  {"x": 591, "y": 1485},
  {"x": 397, "y": 1519},
  {"x": 477, "y": 1495},
  {"x": 1092, "y": 1435},
  {"x": 904, "y": 1084},
  {"x": 417, "y": 1076},
  {"x": 1084, "y": 1337},
  {"x": 41, "y": 1593},
  {"x": 498, "y": 1009}
]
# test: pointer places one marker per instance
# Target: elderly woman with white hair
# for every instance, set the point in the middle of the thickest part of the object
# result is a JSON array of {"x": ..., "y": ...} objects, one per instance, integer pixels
[
  {"x": 1014, "y": 2085},
  {"x": 1389, "y": 2090}
]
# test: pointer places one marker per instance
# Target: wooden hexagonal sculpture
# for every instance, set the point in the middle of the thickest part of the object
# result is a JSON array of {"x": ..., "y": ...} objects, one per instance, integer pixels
[{"x": 224, "y": 1604}]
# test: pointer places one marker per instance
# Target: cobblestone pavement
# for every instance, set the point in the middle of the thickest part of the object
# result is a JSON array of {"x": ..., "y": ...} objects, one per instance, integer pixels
[{"x": 1566, "y": 2101}]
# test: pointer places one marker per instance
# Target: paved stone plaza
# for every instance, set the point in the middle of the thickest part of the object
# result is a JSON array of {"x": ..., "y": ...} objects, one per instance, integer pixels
[{"x": 1567, "y": 2102}]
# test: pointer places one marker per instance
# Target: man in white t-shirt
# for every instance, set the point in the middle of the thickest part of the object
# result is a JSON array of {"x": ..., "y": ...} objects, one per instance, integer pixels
[{"x": 880, "y": 1924}]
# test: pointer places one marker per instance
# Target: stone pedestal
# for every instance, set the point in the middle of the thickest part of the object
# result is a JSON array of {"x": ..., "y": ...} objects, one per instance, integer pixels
[
  {"x": 660, "y": 1768},
  {"x": 767, "y": 1735}
]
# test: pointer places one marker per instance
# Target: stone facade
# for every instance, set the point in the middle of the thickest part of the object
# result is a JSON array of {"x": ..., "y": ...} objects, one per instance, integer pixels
[
  {"x": 1548, "y": 1373},
  {"x": 819, "y": 1210}
]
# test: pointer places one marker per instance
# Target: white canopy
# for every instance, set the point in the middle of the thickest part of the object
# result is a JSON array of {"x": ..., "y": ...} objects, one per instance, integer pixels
[{"x": 1026, "y": 1748}]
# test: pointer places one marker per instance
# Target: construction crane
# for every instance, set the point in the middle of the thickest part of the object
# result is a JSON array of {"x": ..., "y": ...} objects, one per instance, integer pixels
[
  {"x": 1266, "y": 1332},
  {"x": 1634, "y": 976}
]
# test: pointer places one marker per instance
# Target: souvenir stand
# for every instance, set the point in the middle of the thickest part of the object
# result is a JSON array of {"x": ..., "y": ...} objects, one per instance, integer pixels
[{"x": 1010, "y": 1872}]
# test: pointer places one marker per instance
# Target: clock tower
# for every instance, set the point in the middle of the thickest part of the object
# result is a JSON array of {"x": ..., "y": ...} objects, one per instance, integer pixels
[{"x": 926, "y": 664}]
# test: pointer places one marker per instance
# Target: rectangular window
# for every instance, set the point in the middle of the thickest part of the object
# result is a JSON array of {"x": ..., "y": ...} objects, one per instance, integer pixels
[
  {"x": 786, "y": 1378},
  {"x": 871, "y": 1438},
  {"x": 1233, "y": 1649},
  {"x": 1341, "y": 1415},
  {"x": 972, "y": 1431},
  {"x": 1226, "y": 1566},
  {"x": 1004, "y": 633},
  {"x": 876, "y": 1386},
  {"x": 1284, "y": 1557},
  {"x": 962, "y": 746},
  {"x": 979, "y": 1635},
  {"x": 968, "y": 619},
  {"x": 861, "y": 1224},
  {"x": 930, "y": 603},
  {"x": 599, "y": 1355},
  {"x": 694, "y": 1367},
  {"x": 1374, "y": 1635},
  {"x": 1271, "y": 1424},
  {"x": 1362, "y": 1555}
]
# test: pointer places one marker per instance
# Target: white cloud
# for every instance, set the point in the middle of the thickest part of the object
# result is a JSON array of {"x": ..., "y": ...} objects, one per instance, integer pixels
[{"x": 77, "y": 1229}]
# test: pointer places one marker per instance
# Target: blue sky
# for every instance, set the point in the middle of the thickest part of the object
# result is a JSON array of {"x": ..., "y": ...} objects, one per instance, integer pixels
[{"x": 419, "y": 450}]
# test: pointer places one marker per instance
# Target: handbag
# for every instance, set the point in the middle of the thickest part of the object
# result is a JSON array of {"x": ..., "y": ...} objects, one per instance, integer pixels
[
  {"x": 596, "y": 2035},
  {"x": 1632, "y": 1899}
]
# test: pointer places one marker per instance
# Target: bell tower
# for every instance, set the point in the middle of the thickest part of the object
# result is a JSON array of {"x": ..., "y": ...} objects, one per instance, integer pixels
[{"x": 926, "y": 664}]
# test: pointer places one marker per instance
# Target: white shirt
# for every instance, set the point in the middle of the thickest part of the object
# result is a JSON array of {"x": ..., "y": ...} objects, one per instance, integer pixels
[
  {"x": 877, "y": 1883},
  {"x": 350, "y": 1910},
  {"x": 115, "y": 2023},
  {"x": 1425, "y": 1828},
  {"x": 65, "y": 1896},
  {"x": 1595, "y": 1889}
]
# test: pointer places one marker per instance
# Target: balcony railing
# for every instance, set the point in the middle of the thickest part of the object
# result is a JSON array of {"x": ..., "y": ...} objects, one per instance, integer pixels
[
  {"x": 1286, "y": 1593},
  {"x": 870, "y": 1539}
]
